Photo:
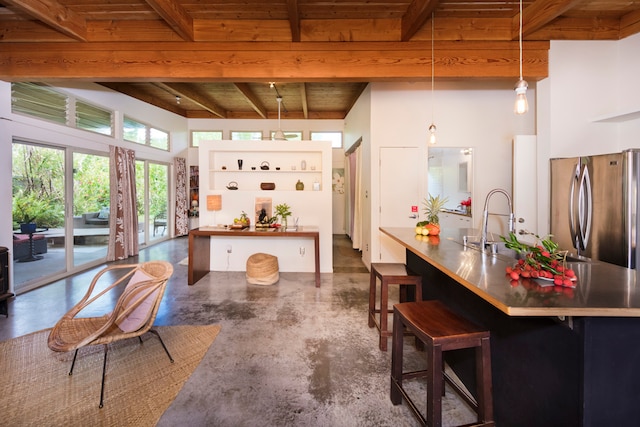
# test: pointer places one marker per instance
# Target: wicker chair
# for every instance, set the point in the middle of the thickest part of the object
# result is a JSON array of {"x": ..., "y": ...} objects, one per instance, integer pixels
[{"x": 133, "y": 314}]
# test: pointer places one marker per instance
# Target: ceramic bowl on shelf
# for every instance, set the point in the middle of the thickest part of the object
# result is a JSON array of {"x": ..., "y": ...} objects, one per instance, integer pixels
[{"x": 267, "y": 186}]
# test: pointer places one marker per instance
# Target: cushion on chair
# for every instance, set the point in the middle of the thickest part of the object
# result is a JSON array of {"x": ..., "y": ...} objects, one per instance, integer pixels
[{"x": 138, "y": 317}]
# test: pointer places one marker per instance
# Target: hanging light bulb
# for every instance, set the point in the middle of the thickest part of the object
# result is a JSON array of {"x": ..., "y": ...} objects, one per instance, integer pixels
[
  {"x": 279, "y": 135},
  {"x": 521, "y": 106},
  {"x": 432, "y": 134},
  {"x": 432, "y": 128}
]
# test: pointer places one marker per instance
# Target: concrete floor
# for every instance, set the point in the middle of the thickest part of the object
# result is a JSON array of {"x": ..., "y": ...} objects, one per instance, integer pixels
[{"x": 289, "y": 354}]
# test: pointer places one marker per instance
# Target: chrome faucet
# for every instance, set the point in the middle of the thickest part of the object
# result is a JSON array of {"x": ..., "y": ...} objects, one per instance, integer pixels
[{"x": 486, "y": 213}]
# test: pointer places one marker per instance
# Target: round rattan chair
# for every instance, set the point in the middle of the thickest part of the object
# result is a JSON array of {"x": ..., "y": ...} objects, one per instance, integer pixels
[{"x": 132, "y": 316}]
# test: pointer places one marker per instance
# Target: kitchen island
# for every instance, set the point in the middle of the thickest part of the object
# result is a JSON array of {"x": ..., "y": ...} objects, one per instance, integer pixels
[{"x": 560, "y": 356}]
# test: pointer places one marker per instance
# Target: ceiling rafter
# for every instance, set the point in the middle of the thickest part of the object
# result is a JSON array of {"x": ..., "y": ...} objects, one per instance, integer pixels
[
  {"x": 303, "y": 97},
  {"x": 418, "y": 12},
  {"x": 174, "y": 15},
  {"x": 252, "y": 99},
  {"x": 185, "y": 90},
  {"x": 294, "y": 19},
  {"x": 55, "y": 15},
  {"x": 143, "y": 96},
  {"x": 538, "y": 14}
]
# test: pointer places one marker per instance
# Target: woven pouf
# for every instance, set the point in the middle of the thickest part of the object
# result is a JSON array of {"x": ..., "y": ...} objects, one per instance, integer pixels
[{"x": 262, "y": 269}]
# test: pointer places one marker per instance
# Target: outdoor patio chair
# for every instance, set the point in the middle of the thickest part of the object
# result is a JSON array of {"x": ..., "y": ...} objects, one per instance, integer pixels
[
  {"x": 133, "y": 315},
  {"x": 160, "y": 221}
]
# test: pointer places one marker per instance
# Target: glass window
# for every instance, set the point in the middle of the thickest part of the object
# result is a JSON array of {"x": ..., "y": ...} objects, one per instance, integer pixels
[
  {"x": 159, "y": 139},
  {"x": 94, "y": 119},
  {"x": 291, "y": 136},
  {"x": 246, "y": 135},
  {"x": 39, "y": 101},
  {"x": 201, "y": 135},
  {"x": 334, "y": 137},
  {"x": 134, "y": 131}
]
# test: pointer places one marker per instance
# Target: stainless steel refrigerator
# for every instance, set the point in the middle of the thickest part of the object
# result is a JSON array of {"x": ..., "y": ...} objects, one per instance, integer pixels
[{"x": 594, "y": 206}]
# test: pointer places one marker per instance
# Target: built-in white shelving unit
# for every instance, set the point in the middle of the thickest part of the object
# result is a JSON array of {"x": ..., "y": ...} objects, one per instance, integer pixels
[{"x": 288, "y": 162}]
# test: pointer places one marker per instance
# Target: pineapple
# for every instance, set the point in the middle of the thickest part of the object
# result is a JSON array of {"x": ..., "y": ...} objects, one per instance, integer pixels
[{"x": 432, "y": 206}]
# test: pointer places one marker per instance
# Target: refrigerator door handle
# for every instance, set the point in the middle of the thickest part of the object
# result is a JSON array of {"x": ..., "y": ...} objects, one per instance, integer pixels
[
  {"x": 573, "y": 228},
  {"x": 585, "y": 208}
]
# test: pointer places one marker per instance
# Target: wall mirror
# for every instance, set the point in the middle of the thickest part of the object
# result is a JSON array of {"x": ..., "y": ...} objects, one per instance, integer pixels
[{"x": 450, "y": 175}]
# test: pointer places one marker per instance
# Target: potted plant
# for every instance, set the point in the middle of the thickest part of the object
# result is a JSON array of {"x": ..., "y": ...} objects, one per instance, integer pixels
[{"x": 283, "y": 210}]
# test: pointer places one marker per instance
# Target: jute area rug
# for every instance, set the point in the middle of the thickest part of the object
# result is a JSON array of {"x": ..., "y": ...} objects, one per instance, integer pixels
[{"x": 140, "y": 381}]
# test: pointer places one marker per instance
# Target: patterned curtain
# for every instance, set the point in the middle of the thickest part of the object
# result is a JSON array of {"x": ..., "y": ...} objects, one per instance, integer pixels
[
  {"x": 123, "y": 226},
  {"x": 182, "y": 201}
]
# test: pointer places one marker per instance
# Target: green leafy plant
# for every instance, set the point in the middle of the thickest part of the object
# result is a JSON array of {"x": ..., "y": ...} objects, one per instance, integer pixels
[
  {"x": 432, "y": 207},
  {"x": 282, "y": 210}
]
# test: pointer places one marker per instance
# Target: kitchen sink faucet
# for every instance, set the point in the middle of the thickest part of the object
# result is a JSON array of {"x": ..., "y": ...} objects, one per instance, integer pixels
[{"x": 486, "y": 213}]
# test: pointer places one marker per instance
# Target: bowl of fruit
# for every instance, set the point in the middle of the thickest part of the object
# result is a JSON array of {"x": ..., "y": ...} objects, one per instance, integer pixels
[{"x": 542, "y": 261}]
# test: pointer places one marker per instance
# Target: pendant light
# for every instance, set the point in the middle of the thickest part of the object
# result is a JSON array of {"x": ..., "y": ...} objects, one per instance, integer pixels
[
  {"x": 279, "y": 135},
  {"x": 521, "y": 106},
  {"x": 432, "y": 128}
]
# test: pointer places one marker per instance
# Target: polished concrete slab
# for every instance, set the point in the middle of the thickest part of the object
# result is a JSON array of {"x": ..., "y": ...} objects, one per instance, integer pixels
[{"x": 289, "y": 354}]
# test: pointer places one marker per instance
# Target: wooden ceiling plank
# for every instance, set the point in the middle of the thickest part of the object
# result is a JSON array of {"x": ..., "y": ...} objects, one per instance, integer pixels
[
  {"x": 187, "y": 91},
  {"x": 176, "y": 16},
  {"x": 55, "y": 15},
  {"x": 540, "y": 13},
  {"x": 294, "y": 19},
  {"x": 418, "y": 12},
  {"x": 303, "y": 97},
  {"x": 252, "y": 99}
]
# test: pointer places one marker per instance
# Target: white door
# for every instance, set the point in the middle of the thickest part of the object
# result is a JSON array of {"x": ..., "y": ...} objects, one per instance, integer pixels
[
  {"x": 400, "y": 187},
  {"x": 525, "y": 188}
]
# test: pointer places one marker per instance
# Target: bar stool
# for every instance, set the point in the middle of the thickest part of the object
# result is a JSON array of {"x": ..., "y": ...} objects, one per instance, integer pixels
[
  {"x": 440, "y": 330},
  {"x": 389, "y": 274}
]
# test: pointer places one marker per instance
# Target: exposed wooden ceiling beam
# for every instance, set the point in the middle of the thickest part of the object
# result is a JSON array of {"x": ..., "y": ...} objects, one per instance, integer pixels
[
  {"x": 630, "y": 24},
  {"x": 294, "y": 19},
  {"x": 303, "y": 98},
  {"x": 176, "y": 16},
  {"x": 189, "y": 92},
  {"x": 128, "y": 89},
  {"x": 540, "y": 13},
  {"x": 264, "y": 62},
  {"x": 418, "y": 12},
  {"x": 252, "y": 99},
  {"x": 53, "y": 14}
]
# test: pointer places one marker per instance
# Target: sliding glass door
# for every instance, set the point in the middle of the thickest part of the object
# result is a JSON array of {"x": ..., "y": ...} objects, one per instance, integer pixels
[
  {"x": 152, "y": 189},
  {"x": 38, "y": 190},
  {"x": 90, "y": 208},
  {"x": 64, "y": 194}
]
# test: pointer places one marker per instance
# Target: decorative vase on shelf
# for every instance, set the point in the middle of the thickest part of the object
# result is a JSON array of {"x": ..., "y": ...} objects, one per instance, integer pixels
[
  {"x": 299, "y": 185},
  {"x": 284, "y": 223}
]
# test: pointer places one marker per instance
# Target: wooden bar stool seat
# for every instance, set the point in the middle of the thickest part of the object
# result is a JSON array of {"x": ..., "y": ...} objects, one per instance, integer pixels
[
  {"x": 440, "y": 330},
  {"x": 389, "y": 274}
]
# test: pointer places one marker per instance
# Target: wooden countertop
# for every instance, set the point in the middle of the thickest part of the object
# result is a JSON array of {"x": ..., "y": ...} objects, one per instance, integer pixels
[{"x": 602, "y": 289}]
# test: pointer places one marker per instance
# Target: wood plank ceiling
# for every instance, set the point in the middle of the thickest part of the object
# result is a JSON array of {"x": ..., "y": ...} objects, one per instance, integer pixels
[{"x": 217, "y": 57}]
